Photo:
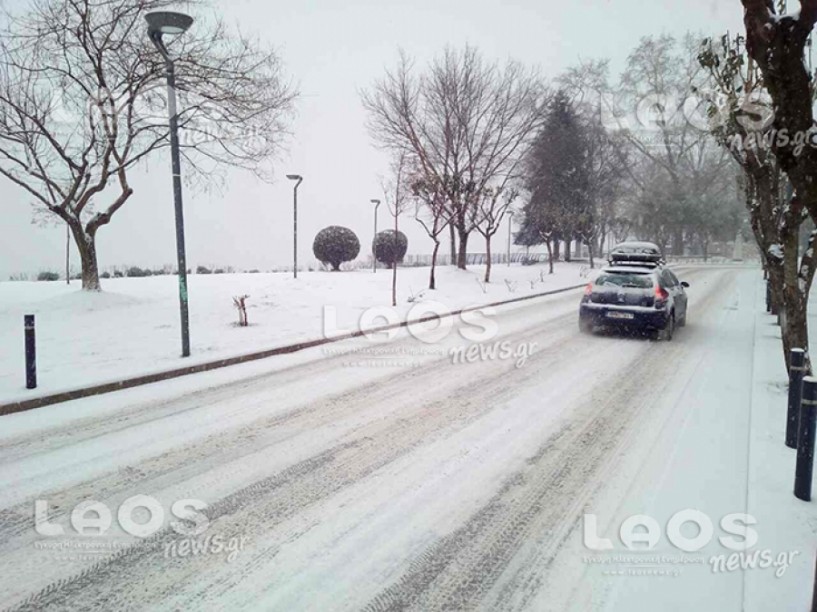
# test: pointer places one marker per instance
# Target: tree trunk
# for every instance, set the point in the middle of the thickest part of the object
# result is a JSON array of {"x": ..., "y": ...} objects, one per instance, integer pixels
[
  {"x": 776, "y": 284},
  {"x": 678, "y": 243},
  {"x": 550, "y": 255},
  {"x": 553, "y": 251},
  {"x": 600, "y": 243},
  {"x": 488, "y": 254},
  {"x": 432, "y": 279},
  {"x": 462, "y": 255},
  {"x": 394, "y": 262},
  {"x": 568, "y": 254},
  {"x": 67, "y": 254},
  {"x": 793, "y": 321},
  {"x": 86, "y": 245},
  {"x": 394, "y": 283},
  {"x": 590, "y": 250},
  {"x": 453, "y": 236}
]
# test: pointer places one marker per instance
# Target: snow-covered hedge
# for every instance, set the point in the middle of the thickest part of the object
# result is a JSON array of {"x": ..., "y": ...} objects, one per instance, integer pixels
[
  {"x": 335, "y": 245},
  {"x": 389, "y": 249}
]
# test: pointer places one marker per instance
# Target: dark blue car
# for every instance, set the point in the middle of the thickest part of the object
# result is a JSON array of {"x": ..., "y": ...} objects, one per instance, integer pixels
[{"x": 635, "y": 293}]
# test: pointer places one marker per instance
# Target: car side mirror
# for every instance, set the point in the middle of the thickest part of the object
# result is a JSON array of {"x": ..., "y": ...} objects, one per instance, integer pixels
[{"x": 685, "y": 284}]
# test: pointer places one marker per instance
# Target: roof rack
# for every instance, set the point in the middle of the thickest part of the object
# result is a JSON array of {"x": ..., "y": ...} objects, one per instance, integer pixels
[
  {"x": 635, "y": 264},
  {"x": 636, "y": 253},
  {"x": 640, "y": 258}
]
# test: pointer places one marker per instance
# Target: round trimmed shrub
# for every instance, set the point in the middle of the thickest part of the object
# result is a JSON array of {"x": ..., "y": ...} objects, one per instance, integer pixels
[
  {"x": 334, "y": 245},
  {"x": 388, "y": 249}
]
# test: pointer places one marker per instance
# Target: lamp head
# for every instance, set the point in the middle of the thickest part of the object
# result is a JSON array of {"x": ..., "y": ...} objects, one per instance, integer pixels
[
  {"x": 168, "y": 22},
  {"x": 376, "y": 202},
  {"x": 295, "y": 177}
]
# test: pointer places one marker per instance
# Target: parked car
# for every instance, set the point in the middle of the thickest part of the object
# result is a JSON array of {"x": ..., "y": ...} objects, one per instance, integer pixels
[{"x": 635, "y": 292}]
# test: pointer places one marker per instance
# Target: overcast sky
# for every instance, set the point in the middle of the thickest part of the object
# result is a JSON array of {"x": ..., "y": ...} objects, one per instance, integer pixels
[{"x": 332, "y": 49}]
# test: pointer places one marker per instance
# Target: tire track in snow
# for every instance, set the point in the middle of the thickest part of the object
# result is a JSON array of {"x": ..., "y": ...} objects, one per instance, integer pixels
[
  {"x": 540, "y": 503},
  {"x": 190, "y": 460},
  {"x": 408, "y": 429}
]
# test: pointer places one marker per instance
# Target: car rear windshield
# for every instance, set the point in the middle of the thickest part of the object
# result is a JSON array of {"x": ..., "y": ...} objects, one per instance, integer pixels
[{"x": 635, "y": 281}]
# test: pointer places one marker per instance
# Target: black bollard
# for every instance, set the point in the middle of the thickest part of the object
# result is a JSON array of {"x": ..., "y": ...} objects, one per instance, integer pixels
[
  {"x": 31, "y": 353},
  {"x": 805, "y": 440},
  {"x": 768, "y": 296},
  {"x": 797, "y": 369}
]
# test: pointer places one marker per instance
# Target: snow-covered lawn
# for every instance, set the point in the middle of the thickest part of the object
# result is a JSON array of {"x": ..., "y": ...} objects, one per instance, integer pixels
[{"x": 132, "y": 327}]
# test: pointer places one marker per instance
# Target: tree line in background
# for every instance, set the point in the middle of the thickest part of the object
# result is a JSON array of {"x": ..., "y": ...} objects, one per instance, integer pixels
[{"x": 584, "y": 160}]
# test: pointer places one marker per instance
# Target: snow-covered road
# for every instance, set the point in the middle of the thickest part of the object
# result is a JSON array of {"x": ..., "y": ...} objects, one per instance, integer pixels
[{"x": 383, "y": 478}]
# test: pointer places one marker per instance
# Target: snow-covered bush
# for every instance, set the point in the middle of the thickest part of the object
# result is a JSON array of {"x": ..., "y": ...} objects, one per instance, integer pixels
[
  {"x": 48, "y": 276},
  {"x": 137, "y": 272},
  {"x": 388, "y": 249},
  {"x": 335, "y": 245}
]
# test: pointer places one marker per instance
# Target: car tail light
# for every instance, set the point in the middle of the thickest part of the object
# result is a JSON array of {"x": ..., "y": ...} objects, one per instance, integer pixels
[
  {"x": 661, "y": 294},
  {"x": 589, "y": 289}
]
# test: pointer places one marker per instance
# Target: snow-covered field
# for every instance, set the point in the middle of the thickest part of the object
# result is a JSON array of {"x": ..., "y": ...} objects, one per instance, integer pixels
[{"x": 132, "y": 327}]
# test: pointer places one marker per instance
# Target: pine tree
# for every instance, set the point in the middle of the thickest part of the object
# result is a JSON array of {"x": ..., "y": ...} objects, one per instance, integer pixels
[{"x": 558, "y": 176}]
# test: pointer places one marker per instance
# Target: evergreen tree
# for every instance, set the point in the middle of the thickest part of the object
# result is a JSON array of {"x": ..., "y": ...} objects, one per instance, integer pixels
[{"x": 558, "y": 176}]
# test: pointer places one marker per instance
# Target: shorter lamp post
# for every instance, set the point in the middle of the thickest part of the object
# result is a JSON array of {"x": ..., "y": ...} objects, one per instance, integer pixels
[
  {"x": 67, "y": 254},
  {"x": 159, "y": 24},
  {"x": 374, "y": 251},
  {"x": 298, "y": 180}
]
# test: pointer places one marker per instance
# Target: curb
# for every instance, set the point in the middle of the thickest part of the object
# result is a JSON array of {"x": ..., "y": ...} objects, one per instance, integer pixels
[{"x": 128, "y": 383}]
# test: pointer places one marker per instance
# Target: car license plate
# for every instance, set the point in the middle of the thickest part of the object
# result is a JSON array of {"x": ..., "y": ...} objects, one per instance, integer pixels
[{"x": 620, "y": 315}]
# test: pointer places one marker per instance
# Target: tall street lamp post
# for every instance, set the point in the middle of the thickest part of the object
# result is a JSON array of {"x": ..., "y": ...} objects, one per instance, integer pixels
[
  {"x": 510, "y": 231},
  {"x": 374, "y": 253},
  {"x": 298, "y": 180},
  {"x": 159, "y": 24}
]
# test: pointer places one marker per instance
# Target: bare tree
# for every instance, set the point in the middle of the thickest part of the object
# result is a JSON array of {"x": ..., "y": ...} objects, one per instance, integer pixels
[
  {"x": 605, "y": 163},
  {"x": 467, "y": 122},
  {"x": 430, "y": 212},
  {"x": 493, "y": 206},
  {"x": 396, "y": 190},
  {"x": 82, "y": 104},
  {"x": 742, "y": 115},
  {"x": 666, "y": 133},
  {"x": 776, "y": 41}
]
